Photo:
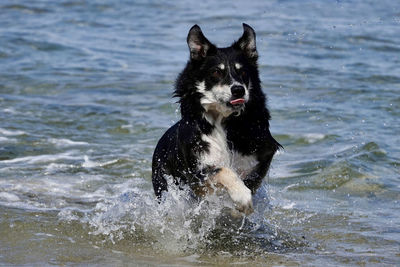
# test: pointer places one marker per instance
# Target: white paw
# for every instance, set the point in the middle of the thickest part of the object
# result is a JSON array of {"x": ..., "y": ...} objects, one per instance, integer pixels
[{"x": 241, "y": 196}]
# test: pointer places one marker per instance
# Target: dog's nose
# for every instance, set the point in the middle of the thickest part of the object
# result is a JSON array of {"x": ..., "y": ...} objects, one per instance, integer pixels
[{"x": 237, "y": 91}]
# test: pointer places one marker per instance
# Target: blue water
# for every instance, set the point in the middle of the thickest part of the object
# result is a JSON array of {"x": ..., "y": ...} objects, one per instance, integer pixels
[{"x": 85, "y": 94}]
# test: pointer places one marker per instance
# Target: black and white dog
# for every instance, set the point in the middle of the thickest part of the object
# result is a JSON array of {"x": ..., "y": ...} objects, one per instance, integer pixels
[{"x": 223, "y": 138}]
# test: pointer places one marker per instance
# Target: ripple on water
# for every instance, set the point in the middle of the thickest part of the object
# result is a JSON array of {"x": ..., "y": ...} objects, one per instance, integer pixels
[
  {"x": 347, "y": 172},
  {"x": 26, "y": 9},
  {"x": 304, "y": 139}
]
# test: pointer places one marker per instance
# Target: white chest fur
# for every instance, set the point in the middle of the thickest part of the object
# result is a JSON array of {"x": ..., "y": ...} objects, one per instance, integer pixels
[{"x": 219, "y": 155}]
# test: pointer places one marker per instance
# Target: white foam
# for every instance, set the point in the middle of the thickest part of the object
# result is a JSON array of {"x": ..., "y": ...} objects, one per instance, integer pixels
[
  {"x": 178, "y": 224},
  {"x": 172, "y": 223},
  {"x": 41, "y": 158},
  {"x": 10, "y": 110},
  {"x": 313, "y": 137},
  {"x": 88, "y": 163},
  {"x": 92, "y": 164},
  {"x": 11, "y": 133},
  {"x": 55, "y": 167},
  {"x": 127, "y": 126},
  {"x": 53, "y": 192},
  {"x": 289, "y": 186},
  {"x": 9, "y": 197},
  {"x": 66, "y": 142},
  {"x": 288, "y": 206},
  {"x": 125, "y": 209},
  {"x": 7, "y": 140}
]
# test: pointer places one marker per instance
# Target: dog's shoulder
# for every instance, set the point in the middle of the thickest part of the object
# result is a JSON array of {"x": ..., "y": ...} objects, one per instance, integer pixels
[
  {"x": 249, "y": 133},
  {"x": 166, "y": 146}
]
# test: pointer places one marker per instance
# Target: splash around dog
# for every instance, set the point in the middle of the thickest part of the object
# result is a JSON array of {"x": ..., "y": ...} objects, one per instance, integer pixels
[{"x": 222, "y": 142}]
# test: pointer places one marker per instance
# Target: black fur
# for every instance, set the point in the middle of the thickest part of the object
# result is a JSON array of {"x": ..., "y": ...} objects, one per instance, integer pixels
[{"x": 178, "y": 150}]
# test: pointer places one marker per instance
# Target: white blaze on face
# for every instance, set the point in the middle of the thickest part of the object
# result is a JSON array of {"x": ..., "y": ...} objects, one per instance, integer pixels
[
  {"x": 218, "y": 93},
  {"x": 216, "y": 98}
]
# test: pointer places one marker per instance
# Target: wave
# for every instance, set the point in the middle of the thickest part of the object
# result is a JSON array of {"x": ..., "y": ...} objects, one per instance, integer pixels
[
  {"x": 41, "y": 158},
  {"x": 11, "y": 132},
  {"x": 63, "y": 142},
  {"x": 301, "y": 139},
  {"x": 346, "y": 170},
  {"x": 7, "y": 140},
  {"x": 26, "y": 9}
]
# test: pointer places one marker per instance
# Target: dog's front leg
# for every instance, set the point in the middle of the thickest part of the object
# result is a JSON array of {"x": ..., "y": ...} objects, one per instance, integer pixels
[{"x": 237, "y": 190}]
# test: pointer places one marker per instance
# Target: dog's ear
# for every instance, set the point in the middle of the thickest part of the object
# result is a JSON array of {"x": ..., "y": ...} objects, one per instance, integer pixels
[
  {"x": 247, "y": 42},
  {"x": 198, "y": 43}
]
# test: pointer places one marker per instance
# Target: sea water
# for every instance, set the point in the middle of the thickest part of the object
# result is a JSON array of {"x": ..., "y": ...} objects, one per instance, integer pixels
[{"x": 85, "y": 94}]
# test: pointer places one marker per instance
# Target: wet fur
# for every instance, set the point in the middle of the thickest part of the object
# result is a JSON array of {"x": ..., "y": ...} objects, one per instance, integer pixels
[{"x": 216, "y": 144}]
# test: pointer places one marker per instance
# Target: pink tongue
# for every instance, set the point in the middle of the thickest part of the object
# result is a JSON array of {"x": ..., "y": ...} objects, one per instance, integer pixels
[{"x": 237, "y": 101}]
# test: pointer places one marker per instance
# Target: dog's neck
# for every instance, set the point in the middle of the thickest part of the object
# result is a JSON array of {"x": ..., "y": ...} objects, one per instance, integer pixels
[
  {"x": 215, "y": 114},
  {"x": 213, "y": 117}
]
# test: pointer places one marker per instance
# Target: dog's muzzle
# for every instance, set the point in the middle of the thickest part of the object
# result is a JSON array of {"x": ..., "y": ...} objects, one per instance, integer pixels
[{"x": 238, "y": 93}]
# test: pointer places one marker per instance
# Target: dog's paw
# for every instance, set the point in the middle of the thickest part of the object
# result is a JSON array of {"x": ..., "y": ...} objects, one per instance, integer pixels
[{"x": 242, "y": 199}]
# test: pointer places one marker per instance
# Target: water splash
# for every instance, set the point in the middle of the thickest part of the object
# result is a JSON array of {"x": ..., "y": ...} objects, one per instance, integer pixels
[{"x": 181, "y": 224}]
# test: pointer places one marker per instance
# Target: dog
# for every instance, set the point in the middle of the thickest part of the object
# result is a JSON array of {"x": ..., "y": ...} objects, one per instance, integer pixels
[{"x": 222, "y": 140}]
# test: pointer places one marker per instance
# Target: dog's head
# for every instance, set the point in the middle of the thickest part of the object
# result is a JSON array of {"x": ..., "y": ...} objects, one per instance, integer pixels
[{"x": 222, "y": 77}]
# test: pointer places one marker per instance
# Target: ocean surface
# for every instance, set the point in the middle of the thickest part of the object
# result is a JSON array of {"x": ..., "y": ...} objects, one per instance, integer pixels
[{"x": 86, "y": 92}]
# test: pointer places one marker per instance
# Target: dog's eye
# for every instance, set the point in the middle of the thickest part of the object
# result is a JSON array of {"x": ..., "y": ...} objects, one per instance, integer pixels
[
  {"x": 243, "y": 73},
  {"x": 217, "y": 74}
]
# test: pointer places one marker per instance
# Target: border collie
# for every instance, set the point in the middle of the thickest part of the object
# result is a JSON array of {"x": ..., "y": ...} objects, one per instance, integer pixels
[{"x": 222, "y": 140}]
